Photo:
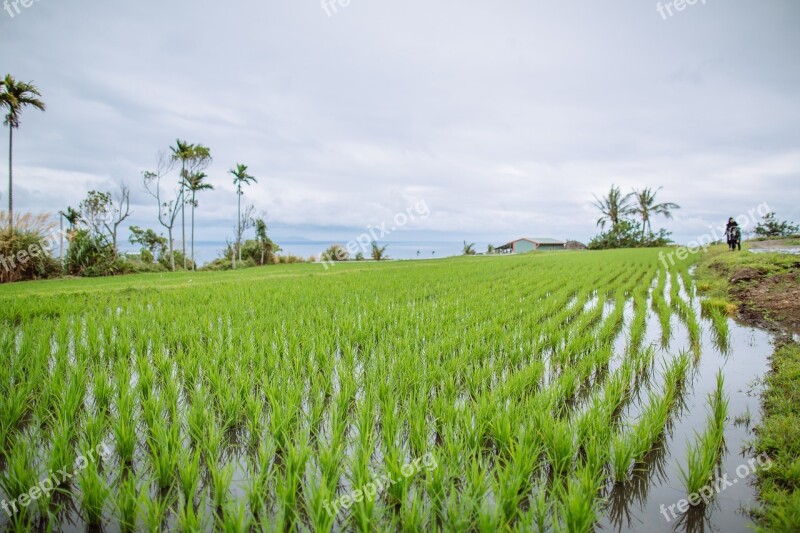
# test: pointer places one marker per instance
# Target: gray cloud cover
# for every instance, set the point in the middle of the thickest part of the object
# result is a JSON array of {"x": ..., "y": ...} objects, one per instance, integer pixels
[{"x": 505, "y": 117}]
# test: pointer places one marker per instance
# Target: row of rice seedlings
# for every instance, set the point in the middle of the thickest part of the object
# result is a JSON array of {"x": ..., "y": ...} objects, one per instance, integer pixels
[
  {"x": 686, "y": 313},
  {"x": 720, "y": 329},
  {"x": 704, "y": 454},
  {"x": 632, "y": 446},
  {"x": 663, "y": 311}
]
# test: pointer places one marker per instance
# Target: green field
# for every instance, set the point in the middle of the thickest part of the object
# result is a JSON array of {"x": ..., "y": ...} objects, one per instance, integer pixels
[{"x": 483, "y": 393}]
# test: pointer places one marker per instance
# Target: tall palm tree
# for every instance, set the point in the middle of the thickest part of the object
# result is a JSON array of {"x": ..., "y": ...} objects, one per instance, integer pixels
[
  {"x": 240, "y": 177},
  {"x": 182, "y": 151},
  {"x": 14, "y": 96},
  {"x": 646, "y": 206},
  {"x": 614, "y": 207},
  {"x": 195, "y": 183}
]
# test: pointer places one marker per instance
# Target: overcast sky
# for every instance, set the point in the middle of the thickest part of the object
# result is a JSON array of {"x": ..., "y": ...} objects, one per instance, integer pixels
[{"x": 504, "y": 117}]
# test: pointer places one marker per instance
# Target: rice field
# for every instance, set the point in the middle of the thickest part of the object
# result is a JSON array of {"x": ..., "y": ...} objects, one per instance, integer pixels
[{"x": 472, "y": 394}]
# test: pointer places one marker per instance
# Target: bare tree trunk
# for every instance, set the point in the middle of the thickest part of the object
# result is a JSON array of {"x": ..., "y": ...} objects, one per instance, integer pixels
[{"x": 171, "y": 252}]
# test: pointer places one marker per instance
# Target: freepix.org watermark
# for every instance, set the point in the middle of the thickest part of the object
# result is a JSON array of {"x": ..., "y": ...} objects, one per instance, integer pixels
[
  {"x": 371, "y": 490},
  {"x": 331, "y": 7},
  {"x": 55, "y": 479},
  {"x": 669, "y": 9},
  {"x": 717, "y": 233},
  {"x": 18, "y": 260},
  {"x": 12, "y": 7},
  {"x": 707, "y": 493},
  {"x": 418, "y": 211}
]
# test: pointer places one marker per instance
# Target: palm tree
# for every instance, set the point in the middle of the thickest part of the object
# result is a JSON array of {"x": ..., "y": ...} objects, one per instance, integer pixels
[
  {"x": 614, "y": 207},
  {"x": 646, "y": 206},
  {"x": 378, "y": 253},
  {"x": 73, "y": 218},
  {"x": 240, "y": 177},
  {"x": 182, "y": 151},
  {"x": 469, "y": 248},
  {"x": 14, "y": 96},
  {"x": 195, "y": 183}
]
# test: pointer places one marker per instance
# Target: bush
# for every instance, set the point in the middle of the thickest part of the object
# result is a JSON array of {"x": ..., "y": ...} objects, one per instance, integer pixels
[
  {"x": 335, "y": 252},
  {"x": 163, "y": 260},
  {"x": 628, "y": 234},
  {"x": 25, "y": 252},
  {"x": 141, "y": 263},
  {"x": 91, "y": 256},
  {"x": 771, "y": 227}
]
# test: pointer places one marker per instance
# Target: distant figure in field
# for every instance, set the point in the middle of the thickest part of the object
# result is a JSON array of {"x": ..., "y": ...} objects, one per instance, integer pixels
[{"x": 733, "y": 234}]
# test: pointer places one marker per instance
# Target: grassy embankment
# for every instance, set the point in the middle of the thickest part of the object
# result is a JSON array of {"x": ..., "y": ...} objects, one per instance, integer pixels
[{"x": 764, "y": 288}]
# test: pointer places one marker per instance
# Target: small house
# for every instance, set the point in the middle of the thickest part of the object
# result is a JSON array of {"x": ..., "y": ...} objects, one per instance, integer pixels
[{"x": 524, "y": 245}]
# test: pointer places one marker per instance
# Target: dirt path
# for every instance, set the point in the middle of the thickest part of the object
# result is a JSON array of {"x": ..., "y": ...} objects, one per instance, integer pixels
[{"x": 786, "y": 246}]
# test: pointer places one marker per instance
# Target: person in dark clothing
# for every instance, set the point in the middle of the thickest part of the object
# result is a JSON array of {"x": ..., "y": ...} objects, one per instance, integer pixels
[{"x": 734, "y": 235}]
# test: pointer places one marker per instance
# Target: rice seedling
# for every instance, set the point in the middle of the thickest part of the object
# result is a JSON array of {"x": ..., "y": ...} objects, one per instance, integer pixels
[
  {"x": 221, "y": 477},
  {"x": 165, "y": 448},
  {"x": 720, "y": 329},
  {"x": 234, "y": 519},
  {"x": 127, "y": 503},
  {"x": 190, "y": 518},
  {"x": 703, "y": 455},
  {"x": 124, "y": 429},
  {"x": 94, "y": 493},
  {"x": 189, "y": 475},
  {"x": 20, "y": 472},
  {"x": 155, "y": 510}
]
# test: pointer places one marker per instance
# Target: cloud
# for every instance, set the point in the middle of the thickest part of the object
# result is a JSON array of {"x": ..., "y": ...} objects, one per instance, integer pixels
[{"x": 505, "y": 118}]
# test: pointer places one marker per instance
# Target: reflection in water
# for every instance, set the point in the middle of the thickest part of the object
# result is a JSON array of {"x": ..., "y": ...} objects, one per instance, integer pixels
[{"x": 741, "y": 353}]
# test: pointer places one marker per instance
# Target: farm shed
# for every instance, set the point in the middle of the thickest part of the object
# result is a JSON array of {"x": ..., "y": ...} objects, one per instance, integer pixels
[{"x": 524, "y": 245}]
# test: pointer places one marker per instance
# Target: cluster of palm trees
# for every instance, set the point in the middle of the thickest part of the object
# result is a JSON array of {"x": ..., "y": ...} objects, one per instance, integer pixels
[
  {"x": 14, "y": 97},
  {"x": 616, "y": 207}
]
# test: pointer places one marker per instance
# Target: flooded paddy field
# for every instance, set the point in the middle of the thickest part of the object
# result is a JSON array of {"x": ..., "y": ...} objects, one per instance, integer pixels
[{"x": 546, "y": 392}]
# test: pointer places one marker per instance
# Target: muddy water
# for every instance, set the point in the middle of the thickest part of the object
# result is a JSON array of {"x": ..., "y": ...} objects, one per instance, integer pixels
[{"x": 644, "y": 504}]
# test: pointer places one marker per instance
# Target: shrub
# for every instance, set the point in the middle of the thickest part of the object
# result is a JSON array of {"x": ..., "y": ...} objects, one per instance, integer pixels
[
  {"x": 770, "y": 226},
  {"x": 91, "y": 256},
  {"x": 335, "y": 252},
  {"x": 25, "y": 252},
  {"x": 628, "y": 234}
]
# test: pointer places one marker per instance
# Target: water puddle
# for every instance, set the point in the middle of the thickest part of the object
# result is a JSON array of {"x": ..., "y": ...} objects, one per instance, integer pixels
[{"x": 644, "y": 503}]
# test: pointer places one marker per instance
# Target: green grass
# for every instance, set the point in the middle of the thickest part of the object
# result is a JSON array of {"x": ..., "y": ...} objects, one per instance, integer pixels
[
  {"x": 779, "y": 438},
  {"x": 716, "y": 267},
  {"x": 252, "y": 399}
]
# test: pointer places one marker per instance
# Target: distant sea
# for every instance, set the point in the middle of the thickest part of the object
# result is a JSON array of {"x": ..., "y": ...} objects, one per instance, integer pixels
[{"x": 206, "y": 251}]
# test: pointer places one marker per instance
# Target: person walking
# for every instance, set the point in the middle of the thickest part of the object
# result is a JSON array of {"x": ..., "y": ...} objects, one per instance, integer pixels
[{"x": 734, "y": 235}]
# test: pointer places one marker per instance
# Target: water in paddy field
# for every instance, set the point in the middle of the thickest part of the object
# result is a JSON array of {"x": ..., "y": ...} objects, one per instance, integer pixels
[{"x": 637, "y": 505}]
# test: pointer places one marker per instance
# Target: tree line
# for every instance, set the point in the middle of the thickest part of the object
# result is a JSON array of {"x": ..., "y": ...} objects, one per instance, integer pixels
[
  {"x": 92, "y": 231},
  {"x": 629, "y": 219}
]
